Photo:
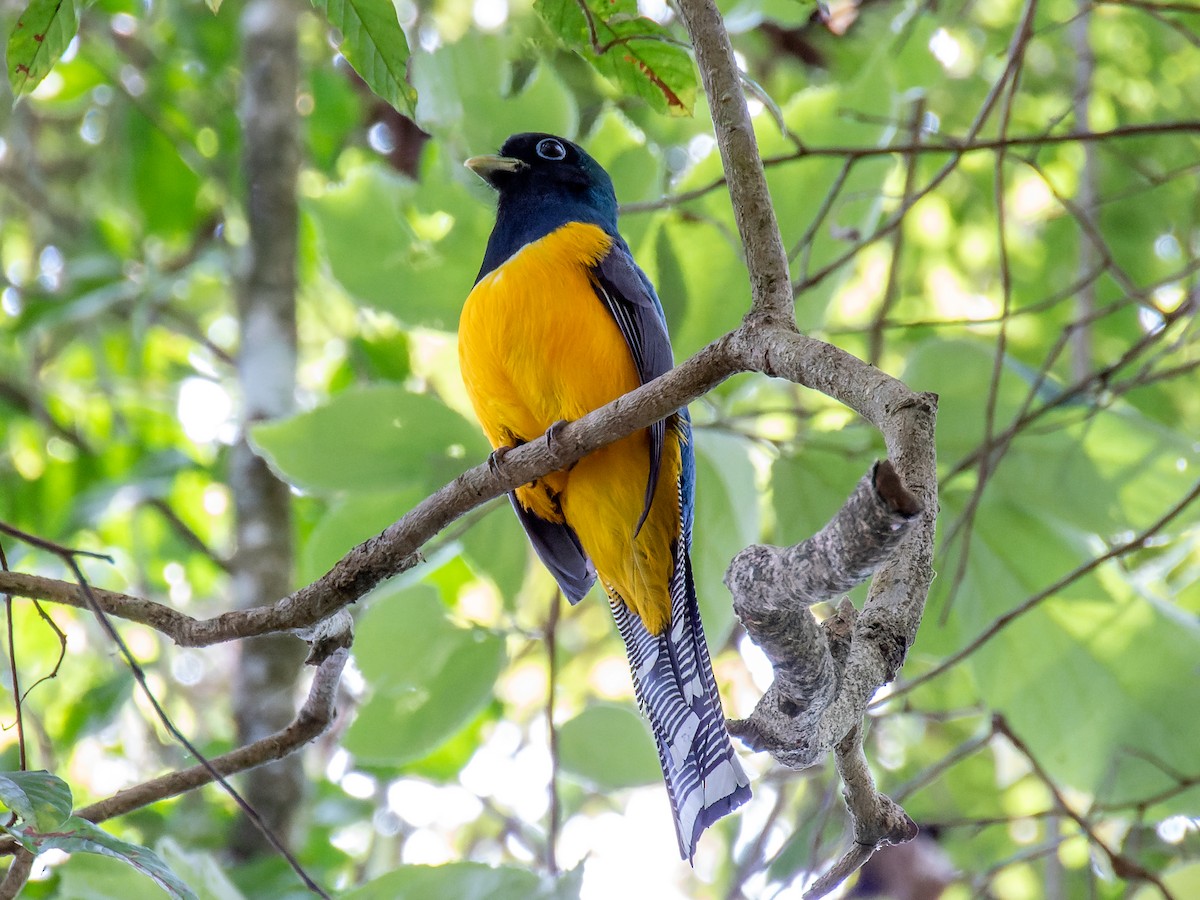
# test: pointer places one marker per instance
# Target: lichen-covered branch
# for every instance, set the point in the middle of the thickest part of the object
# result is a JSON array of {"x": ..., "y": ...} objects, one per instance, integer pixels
[
  {"x": 842, "y": 555},
  {"x": 774, "y": 587}
]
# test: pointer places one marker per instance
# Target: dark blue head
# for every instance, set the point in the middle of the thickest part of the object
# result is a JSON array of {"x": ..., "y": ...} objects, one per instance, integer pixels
[{"x": 544, "y": 182}]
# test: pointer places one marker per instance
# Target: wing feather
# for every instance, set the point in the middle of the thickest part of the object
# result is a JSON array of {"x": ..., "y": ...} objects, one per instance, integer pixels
[
  {"x": 558, "y": 547},
  {"x": 629, "y": 297}
]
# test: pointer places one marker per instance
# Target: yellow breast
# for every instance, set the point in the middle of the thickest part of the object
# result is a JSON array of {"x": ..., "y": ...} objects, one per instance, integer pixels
[
  {"x": 536, "y": 346},
  {"x": 535, "y": 343}
]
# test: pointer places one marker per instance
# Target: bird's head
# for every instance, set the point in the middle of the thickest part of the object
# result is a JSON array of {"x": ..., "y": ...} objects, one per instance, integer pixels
[{"x": 551, "y": 174}]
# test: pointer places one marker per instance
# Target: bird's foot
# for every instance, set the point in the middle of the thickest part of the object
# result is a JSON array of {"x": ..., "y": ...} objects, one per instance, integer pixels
[
  {"x": 496, "y": 457},
  {"x": 553, "y": 432}
]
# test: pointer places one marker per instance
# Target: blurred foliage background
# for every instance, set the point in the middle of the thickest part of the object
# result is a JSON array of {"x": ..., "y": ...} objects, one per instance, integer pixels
[{"x": 1045, "y": 288}]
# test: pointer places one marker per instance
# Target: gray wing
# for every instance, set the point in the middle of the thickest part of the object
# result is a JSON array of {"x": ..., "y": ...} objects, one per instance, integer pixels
[
  {"x": 559, "y": 550},
  {"x": 630, "y": 299}
]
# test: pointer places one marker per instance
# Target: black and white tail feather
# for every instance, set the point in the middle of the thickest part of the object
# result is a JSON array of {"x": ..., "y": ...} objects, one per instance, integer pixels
[{"x": 675, "y": 687}]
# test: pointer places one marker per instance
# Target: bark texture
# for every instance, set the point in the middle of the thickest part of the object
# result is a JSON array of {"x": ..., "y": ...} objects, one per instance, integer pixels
[{"x": 265, "y": 681}]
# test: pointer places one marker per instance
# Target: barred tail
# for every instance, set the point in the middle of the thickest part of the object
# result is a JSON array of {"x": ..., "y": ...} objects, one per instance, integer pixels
[{"x": 673, "y": 680}]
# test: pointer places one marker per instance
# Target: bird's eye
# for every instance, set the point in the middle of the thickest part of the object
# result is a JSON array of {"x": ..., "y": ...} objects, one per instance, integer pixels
[{"x": 551, "y": 149}]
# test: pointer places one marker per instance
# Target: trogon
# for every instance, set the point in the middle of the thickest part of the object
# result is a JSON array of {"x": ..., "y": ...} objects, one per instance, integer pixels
[{"x": 561, "y": 321}]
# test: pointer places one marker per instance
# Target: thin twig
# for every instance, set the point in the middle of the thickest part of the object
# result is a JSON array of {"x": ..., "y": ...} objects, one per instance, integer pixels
[
  {"x": 311, "y": 721},
  {"x": 954, "y": 146},
  {"x": 68, "y": 556},
  {"x": 1123, "y": 866},
  {"x": 18, "y": 697},
  {"x": 988, "y": 464},
  {"x": 555, "y": 812},
  {"x": 49, "y": 546},
  {"x": 18, "y": 874},
  {"x": 891, "y": 289},
  {"x": 1067, "y": 395},
  {"x": 804, "y": 246},
  {"x": 1135, "y": 543},
  {"x": 140, "y": 677}
]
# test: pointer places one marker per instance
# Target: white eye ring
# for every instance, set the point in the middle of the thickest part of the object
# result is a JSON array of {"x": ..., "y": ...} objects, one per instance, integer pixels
[{"x": 551, "y": 149}]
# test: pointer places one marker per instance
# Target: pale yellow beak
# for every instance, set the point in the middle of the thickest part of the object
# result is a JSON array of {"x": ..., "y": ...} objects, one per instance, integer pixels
[{"x": 487, "y": 167}]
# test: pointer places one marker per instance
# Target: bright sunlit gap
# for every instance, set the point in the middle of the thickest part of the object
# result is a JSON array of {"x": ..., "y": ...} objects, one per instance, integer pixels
[
  {"x": 490, "y": 14},
  {"x": 1166, "y": 246},
  {"x": 1175, "y": 829},
  {"x": 93, "y": 126},
  {"x": 945, "y": 48},
  {"x": 658, "y": 10},
  {"x": 10, "y": 301},
  {"x": 50, "y": 268},
  {"x": 381, "y": 139},
  {"x": 1169, "y": 297},
  {"x": 205, "y": 411},
  {"x": 179, "y": 588},
  {"x": 759, "y": 666}
]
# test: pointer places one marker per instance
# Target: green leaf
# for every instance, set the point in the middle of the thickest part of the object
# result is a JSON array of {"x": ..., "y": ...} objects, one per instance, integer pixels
[
  {"x": 461, "y": 83},
  {"x": 1129, "y": 658},
  {"x": 38, "y": 798},
  {"x": 86, "y": 876},
  {"x": 642, "y": 62},
  {"x": 428, "y": 676},
  {"x": 165, "y": 186},
  {"x": 374, "y": 43},
  {"x": 498, "y": 548},
  {"x": 636, "y": 53},
  {"x": 77, "y": 835},
  {"x": 403, "y": 247},
  {"x": 380, "y": 437},
  {"x": 960, "y": 372},
  {"x": 348, "y": 522},
  {"x": 201, "y": 870},
  {"x": 39, "y": 38},
  {"x": 97, "y": 707},
  {"x": 1095, "y": 646},
  {"x": 467, "y": 881},
  {"x": 610, "y": 747}
]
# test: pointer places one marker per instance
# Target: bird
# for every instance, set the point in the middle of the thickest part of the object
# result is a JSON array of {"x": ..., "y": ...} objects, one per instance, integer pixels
[{"x": 561, "y": 321}]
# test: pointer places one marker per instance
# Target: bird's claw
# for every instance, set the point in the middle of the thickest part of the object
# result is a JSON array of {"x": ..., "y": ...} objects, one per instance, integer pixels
[
  {"x": 553, "y": 432},
  {"x": 496, "y": 457}
]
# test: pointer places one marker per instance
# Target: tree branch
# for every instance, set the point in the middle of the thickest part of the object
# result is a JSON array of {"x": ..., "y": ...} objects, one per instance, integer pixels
[
  {"x": 824, "y": 675},
  {"x": 313, "y": 718},
  {"x": 18, "y": 873},
  {"x": 772, "y": 589},
  {"x": 753, "y": 211},
  {"x": 884, "y": 401},
  {"x": 878, "y": 819}
]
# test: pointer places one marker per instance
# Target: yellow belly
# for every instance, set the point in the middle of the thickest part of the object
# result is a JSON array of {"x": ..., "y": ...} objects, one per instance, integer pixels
[{"x": 536, "y": 346}]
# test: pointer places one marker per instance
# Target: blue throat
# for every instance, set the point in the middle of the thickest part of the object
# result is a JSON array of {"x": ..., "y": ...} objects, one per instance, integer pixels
[{"x": 527, "y": 214}]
